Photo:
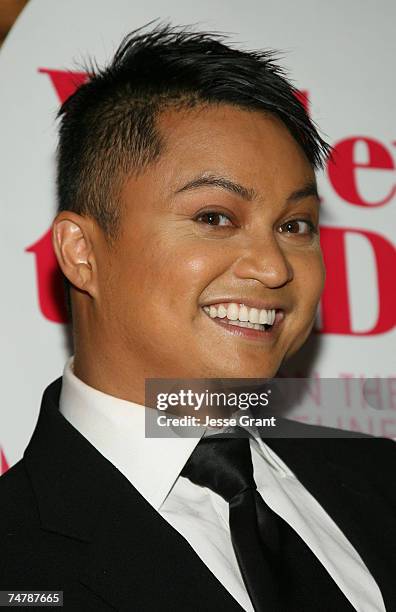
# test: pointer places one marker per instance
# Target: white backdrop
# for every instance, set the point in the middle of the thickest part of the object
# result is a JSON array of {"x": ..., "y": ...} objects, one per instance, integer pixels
[{"x": 340, "y": 53}]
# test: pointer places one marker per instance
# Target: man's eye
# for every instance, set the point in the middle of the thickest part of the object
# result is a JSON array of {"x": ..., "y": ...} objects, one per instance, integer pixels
[
  {"x": 298, "y": 226},
  {"x": 214, "y": 218}
]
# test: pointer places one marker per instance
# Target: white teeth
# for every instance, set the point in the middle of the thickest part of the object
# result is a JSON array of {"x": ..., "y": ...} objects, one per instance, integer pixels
[
  {"x": 241, "y": 323},
  {"x": 264, "y": 318},
  {"x": 240, "y": 314},
  {"x": 213, "y": 312},
  {"x": 232, "y": 312},
  {"x": 247, "y": 324},
  {"x": 243, "y": 313},
  {"x": 221, "y": 311},
  {"x": 253, "y": 315}
]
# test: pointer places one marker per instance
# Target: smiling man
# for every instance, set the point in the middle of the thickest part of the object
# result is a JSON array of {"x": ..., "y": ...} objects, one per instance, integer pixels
[
  {"x": 188, "y": 235},
  {"x": 206, "y": 224}
]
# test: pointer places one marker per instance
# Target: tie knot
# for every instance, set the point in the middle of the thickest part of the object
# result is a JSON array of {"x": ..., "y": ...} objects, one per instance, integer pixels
[{"x": 224, "y": 465}]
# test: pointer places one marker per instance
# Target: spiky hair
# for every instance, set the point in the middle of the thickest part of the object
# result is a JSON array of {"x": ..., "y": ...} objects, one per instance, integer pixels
[{"x": 108, "y": 126}]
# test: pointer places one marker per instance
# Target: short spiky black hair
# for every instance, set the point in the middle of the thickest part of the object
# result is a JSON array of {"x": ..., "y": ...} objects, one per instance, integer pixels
[{"x": 108, "y": 126}]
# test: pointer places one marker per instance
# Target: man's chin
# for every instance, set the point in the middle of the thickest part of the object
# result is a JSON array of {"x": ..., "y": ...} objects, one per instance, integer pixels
[{"x": 242, "y": 372}]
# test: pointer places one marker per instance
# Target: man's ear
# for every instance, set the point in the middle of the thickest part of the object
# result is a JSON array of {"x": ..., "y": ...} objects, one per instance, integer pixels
[{"x": 72, "y": 239}]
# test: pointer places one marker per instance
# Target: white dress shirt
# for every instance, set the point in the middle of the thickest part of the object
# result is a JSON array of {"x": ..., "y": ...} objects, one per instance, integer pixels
[{"x": 116, "y": 428}]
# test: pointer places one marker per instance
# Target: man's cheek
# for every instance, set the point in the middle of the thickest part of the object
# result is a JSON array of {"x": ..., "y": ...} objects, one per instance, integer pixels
[
  {"x": 310, "y": 276},
  {"x": 318, "y": 280},
  {"x": 189, "y": 275}
]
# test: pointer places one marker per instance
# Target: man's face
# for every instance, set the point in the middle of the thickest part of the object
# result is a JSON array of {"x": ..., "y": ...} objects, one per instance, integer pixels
[{"x": 227, "y": 215}]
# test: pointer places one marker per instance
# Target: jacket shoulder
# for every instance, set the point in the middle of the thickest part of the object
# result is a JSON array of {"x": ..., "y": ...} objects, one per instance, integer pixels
[
  {"x": 18, "y": 507},
  {"x": 30, "y": 557}
]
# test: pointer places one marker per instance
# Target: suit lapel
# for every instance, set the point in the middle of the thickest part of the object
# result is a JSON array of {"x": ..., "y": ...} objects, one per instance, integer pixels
[
  {"x": 136, "y": 555},
  {"x": 328, "y": 469},
  {"x": 127, "y": 552}
]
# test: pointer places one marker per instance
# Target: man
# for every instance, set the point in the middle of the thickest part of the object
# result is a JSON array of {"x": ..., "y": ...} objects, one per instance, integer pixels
[{"x": 188, "y": 235}]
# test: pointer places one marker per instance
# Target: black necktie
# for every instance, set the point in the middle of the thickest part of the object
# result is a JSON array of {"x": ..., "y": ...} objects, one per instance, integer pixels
[
  {"x": 224, "y": 465},
  {"x": 279, "y": 570}
]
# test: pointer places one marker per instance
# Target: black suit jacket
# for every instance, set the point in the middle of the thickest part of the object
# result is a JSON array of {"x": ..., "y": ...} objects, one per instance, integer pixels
[{"x": 69, "y": 520}]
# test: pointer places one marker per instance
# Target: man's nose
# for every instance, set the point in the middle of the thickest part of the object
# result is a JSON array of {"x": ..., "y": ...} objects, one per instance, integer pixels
[{"x": 264, "y": 260}]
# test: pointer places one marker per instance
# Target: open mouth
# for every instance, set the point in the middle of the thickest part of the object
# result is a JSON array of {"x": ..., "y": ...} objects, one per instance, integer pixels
[{"x": 245, "y": 320}]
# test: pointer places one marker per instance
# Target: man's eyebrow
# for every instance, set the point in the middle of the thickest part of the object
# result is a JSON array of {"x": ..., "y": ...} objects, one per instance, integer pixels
[
  {"x": 310, "y": 189},
  {"x": 212, "y": 180},
  {"x": 249, "y": 194}
]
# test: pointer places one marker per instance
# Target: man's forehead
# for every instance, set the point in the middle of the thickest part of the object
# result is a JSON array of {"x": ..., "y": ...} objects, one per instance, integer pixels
[
  {"x": 225, "y": 146},
  {"x": 208, "y": 115}
]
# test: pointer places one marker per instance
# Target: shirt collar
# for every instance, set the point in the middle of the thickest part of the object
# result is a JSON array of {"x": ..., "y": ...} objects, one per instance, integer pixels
[{"x": 116, "y": 428}]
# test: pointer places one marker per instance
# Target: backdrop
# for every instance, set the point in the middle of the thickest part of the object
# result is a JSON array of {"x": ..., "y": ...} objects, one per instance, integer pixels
[{"x": 339, "y": 54}]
